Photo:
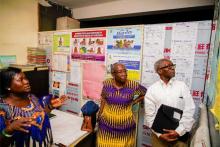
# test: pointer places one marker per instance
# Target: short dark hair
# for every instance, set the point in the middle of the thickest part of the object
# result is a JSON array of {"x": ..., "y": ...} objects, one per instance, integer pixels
[
  {"x": 113, "y": 66},
  {"x": 6, "y": 76}
]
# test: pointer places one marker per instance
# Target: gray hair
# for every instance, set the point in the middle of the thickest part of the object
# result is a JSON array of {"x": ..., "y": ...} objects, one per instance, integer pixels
[
  {"x": 113, "y": 66},
  {"x": 157, "y": 64}
]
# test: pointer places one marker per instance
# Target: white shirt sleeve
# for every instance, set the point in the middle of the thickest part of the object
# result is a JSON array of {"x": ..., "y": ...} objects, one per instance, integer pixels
[
  {"x": 187, "y": 120},
  {"x": 150, "y": 108}
]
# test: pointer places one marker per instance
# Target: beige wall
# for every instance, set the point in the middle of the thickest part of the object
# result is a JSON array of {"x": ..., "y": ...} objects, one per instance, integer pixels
[
  {"x": 18, "y": 27},
  {"x": 134, "y": 6}
]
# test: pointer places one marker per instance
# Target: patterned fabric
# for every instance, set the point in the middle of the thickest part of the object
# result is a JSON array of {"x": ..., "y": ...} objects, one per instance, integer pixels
[
  {"x": 116, "y": 123},
  {"x": 39, "y": 135}
]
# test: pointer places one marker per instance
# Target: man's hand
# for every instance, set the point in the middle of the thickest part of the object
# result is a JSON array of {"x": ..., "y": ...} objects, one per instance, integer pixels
[{"x": 170, "y": 135}]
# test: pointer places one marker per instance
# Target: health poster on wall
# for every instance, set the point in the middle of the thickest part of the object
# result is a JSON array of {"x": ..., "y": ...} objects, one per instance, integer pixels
[
  {"x": 153, "y": 50},
  {"x": 209, "y": 86},
  {"x": 61, "y": 62},
  {"x": 45, "y": 41},
  {"x": 183, "y": 45},
  {"x": 89, "y": 45},
  {"x": 93, "y": 77},
  {"x": 58, "y": 83},
  {"x": 72, "y": 104},
  {"x": 61, "y": 42},
  {"x": 76, "y": 72},
  {"x": 45, "y": 38},
  {"x": 124, "y": 46},
  {"x": 200, "y": 60}
]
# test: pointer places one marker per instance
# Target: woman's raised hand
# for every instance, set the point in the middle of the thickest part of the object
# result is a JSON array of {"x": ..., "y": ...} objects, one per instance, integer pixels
[{"x": 57, "y": 102}]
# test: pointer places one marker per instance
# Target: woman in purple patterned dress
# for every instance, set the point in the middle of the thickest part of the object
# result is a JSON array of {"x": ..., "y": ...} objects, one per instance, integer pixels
[{"x": 117, "y": 126}]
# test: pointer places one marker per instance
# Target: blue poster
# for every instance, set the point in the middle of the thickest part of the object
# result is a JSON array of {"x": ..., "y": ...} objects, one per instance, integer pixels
[{"x": 124, "y": 45}]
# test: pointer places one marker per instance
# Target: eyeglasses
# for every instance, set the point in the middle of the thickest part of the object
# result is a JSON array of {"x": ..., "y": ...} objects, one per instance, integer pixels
[{"x": 172, "y": 66}]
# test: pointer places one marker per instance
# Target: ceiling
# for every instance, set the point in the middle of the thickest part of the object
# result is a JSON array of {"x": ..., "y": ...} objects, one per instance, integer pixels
[{"x": 79, "y": 3}]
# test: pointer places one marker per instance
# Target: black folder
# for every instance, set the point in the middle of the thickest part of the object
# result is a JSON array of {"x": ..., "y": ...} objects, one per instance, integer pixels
[{"x": 165, "y": 120}]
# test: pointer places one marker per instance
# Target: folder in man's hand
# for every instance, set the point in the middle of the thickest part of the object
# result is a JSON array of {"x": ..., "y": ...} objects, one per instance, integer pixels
[{"x": 166, "y": 118}]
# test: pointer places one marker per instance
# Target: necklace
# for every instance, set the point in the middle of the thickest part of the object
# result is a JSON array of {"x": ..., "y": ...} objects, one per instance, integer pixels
[{"x": 28, "y": 107}]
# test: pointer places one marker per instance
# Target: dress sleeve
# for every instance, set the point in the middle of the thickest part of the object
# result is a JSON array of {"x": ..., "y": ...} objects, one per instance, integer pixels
[
  {"x": 45, "y": 100},
  {"x": 2, "y": 120}
]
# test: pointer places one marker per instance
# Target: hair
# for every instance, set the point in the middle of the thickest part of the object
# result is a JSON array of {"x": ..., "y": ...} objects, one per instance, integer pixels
[
  {"x": 158, "y": 63},
  {"x": 113, "y": 67},
  {"x": 6, "y": 77}
]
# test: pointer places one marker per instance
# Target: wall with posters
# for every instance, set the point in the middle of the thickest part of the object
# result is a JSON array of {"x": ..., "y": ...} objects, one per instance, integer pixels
[
  {"x": 81, "y": 59},
  {"x": 187, "y": 45}
]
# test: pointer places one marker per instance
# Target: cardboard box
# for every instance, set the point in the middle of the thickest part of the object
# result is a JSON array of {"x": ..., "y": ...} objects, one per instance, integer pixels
[{"x": 65, "y": 23}]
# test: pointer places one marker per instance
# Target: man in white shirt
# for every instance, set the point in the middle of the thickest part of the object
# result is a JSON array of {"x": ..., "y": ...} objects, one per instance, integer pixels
[{"x": 170, "y": 92}]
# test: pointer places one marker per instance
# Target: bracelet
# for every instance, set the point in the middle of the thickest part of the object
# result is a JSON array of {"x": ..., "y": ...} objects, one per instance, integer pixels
[{"x": 6, "y": 134}]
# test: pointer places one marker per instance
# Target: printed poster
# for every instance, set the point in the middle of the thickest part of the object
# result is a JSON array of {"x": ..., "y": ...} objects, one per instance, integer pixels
[
  {"x": 183, "y": 45},
  {"x": 153, "y": 50},
  {"x": 73, "y": 93},
  {"x": 6, "y": 60},
  {"x": 200, "y": 60},
  {"x": 93, "y": 76},
  {"x": 211, "y": 70},
  {"x": 124, "y": 46},
  {"x": 59, "y": 83},
  {"x": 61, "y": 62},
  {"x": 76, "y": 73},
  {"x": 89, "y": 45},
  {"x": 45, "y": 38},
  {"x": 61, "y": 42}
]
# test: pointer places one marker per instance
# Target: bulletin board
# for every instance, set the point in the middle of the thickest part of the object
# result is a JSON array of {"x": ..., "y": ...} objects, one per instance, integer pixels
[{"x": 81, "y": 59}]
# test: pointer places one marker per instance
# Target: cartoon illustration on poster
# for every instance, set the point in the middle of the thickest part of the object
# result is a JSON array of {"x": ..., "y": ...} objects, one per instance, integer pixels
[
  {"x": 124, "y": 46},
  {"x": 89, "y": 45}
]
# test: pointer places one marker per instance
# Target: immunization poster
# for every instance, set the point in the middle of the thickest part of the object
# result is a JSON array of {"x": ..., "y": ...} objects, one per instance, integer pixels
[
  {"x": 89, "y": 45},
  {"x": 124, "y": 46}
]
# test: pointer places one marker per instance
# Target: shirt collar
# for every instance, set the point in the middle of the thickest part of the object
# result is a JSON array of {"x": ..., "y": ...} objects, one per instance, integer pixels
[{"x": 169, "y": 83}]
